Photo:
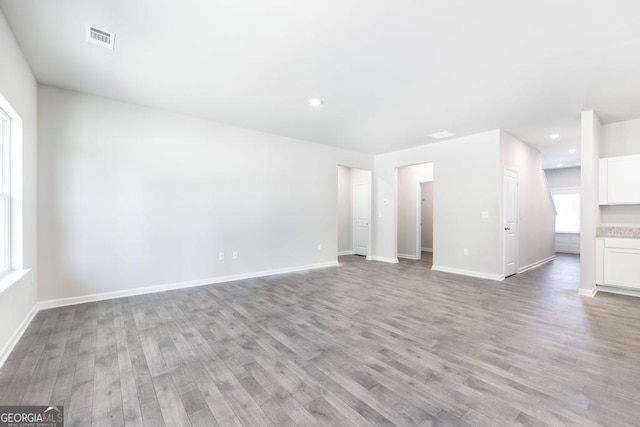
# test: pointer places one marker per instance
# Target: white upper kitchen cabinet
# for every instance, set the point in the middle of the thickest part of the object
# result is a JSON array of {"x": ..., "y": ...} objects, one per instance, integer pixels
[{"x": 620, "y": 180}]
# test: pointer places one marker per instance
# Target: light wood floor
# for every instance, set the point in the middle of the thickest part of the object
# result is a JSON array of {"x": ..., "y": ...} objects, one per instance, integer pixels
[{"x": 364, "y": 343}]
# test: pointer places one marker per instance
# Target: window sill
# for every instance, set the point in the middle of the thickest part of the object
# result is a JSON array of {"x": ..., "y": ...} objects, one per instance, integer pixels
[{"x": 12, "y": 278}]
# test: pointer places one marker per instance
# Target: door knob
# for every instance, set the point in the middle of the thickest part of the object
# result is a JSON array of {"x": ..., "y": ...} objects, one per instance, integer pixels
[{"x": 507, "y": 229}]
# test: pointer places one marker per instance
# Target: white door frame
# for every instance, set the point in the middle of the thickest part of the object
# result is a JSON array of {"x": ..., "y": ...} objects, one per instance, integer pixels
[
  {"x": 353, "y": 214},
  {"x": 503, "y": 222},
  {"x": 419, "y": 219},
  {"x": 418, "y": 248}
]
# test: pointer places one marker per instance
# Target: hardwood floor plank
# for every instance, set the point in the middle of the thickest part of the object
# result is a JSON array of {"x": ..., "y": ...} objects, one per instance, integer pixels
[
  {"x": 31, "y": 353},
  {"x": 154, "y": 358},
  {"x": 276, "y": 414},
  {"x": 108, "y": 400},
  {"x": 132, "y": 415},
  {"x": 173, "y": 411},
  {"x": 216, "y": 402},
  {"x": 326, "y": 414},
  {"x": 203, "y": 418}
]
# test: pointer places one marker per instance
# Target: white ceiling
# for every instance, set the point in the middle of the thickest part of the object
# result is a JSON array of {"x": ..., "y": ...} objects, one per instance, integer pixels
[{"x": 390, "y": 72}]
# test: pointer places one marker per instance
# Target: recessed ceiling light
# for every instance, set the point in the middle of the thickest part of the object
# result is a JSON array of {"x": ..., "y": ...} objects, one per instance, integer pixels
[
  {"x": 443, "y": 134},
  {"x": 572, "y": 150},
  {"x": 554, "y": 136},
  {"x": 316, "y": 102},
  {"x": 560, "y": 165}
]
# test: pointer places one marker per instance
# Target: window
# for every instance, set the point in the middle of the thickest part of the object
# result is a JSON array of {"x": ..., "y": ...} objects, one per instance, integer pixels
[
  {"x": 11, "y": 219},
  {"x": 567, "y": 204},
  {"x": 5, "y": 194}
]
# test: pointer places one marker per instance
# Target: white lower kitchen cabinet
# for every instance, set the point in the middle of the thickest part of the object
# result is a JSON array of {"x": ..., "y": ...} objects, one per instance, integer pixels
[{"x": 618, "y": 262}]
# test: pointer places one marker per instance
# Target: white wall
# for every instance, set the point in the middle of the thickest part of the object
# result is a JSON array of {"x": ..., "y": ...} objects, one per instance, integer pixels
[
  {"x": 426, "y": 189},
  {"x": 19, "y": 88},
  {"x": 620, "y": 139},
  {"x": 536, "y": 227},
  {"x": 590, "y": 212},
  {"x": 467, "y": 179},
  {"x": 562, "y": 179},
  {"x": 134, "y": 197},
  {"x": 407, "y": 188}
]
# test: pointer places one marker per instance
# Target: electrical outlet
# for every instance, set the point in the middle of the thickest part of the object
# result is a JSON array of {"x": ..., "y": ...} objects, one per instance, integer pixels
[
  {"x": 235, "y": 255},
  {"x": 220, "y": 256},
  {"x": 466, "y": 251}
]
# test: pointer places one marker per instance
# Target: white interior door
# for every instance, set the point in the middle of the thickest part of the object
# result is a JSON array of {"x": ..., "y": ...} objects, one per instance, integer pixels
[
  {"x": 361, "y": 218},
  {"x": 510, "y": 222}
]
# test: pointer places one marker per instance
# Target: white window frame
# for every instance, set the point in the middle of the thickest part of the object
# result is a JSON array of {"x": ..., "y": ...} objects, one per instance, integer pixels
[
  {"x": 566, "y": 190},
  {"x": 14, "y": 187},
  {"x": 5, "y": 189}
]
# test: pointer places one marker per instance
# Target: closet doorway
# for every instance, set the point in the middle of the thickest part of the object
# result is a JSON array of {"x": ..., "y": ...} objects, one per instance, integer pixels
[{"x": 414, "y": 189}]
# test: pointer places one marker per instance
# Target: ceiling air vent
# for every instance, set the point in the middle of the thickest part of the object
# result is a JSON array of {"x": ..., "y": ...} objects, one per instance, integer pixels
[{"x": 100, "y": 37}]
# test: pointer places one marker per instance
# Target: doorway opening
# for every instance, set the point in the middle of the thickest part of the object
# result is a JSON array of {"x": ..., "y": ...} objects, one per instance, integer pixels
[
  {"x": 354, "y": 211},
  {"x": 425, "y": 243},
  {"x": 414, "y": 189}
]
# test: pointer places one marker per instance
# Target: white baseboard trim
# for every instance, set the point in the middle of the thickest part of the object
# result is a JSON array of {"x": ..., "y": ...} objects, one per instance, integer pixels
[
  {"x": 43, "y": 305},
  {"x": 341, "y": 253},
  {"x": 427, "y": 249},
  {"x": 382, "y": 259},
  {"x": 536, "y": 264},
  {"x": 568, "y": 252},
  {"x": 407, "y": 256},
  {"x": 8, "y": 348},
  {"x": 589, "y": 292},
  {"x": 616, "y": 290},
  {"x": 478, "y": 274}
]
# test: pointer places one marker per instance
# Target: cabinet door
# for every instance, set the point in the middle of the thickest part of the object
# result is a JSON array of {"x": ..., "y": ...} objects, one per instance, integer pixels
[
  {"x": 622, "y": 267},
  {"x": 623, "y": 180},
  {"x": 600, "y": 261}
]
